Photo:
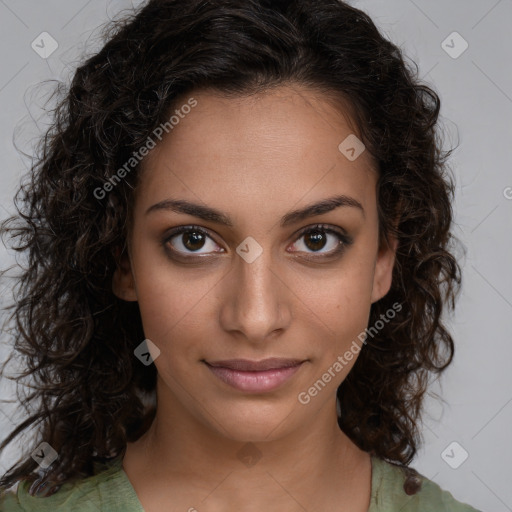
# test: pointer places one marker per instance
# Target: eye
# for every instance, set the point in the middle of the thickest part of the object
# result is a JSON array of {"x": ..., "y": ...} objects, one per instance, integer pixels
[
  {"x": 319, "y": 237},
  {"x": 191, "y": 240}
]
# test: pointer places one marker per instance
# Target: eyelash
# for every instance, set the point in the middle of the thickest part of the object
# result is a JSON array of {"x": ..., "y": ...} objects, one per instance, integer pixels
[{"x": 344, "y": 240}]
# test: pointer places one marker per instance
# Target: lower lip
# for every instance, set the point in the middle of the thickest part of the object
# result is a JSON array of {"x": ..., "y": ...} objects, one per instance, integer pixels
[{"x": 254, "y": 382}]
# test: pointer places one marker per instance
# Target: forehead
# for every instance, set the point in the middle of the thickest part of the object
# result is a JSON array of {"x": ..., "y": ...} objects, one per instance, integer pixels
[{"x": 282, "y": 145}]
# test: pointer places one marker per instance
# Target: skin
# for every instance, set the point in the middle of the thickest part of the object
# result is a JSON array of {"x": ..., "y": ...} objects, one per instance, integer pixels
[{"x": 254, "y": 158}]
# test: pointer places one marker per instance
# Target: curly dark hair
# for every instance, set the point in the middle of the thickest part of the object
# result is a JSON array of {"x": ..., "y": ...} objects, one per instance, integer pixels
[{"x": 77, "y": 339}]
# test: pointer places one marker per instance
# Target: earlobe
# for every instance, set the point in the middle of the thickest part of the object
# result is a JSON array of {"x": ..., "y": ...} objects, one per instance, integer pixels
[
  {"x": 123, "y": 283},
  {"x": 383, "y": 274}
]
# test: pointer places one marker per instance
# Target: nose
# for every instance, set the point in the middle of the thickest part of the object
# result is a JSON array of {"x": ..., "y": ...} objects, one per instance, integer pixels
[{"x": 256, "y": 302}]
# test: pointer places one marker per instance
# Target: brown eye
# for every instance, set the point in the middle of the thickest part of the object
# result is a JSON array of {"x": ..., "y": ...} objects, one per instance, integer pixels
[
  {"x": 321, "y": 237},
  {"x": 315, "y": 240},
  {"x": 191, "y": 240}
]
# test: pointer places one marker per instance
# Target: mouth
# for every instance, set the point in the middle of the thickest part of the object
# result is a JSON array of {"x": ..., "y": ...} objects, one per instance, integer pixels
[{"x": 255, "y": 376}]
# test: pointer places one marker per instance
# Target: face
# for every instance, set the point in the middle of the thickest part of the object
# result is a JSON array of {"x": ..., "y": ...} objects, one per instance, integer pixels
[{"x": 244, "y": 275}]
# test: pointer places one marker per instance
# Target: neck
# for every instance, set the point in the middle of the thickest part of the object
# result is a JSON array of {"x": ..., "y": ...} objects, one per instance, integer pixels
[{"x": 179, "y": 452}]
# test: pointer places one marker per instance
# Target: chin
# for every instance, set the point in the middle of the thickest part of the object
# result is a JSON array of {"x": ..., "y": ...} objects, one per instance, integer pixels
[{"x": 254, "y": 423}]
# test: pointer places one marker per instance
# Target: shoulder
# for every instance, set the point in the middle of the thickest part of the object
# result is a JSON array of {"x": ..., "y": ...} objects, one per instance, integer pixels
[
  {"x": 402, "y": 488},
  {"x": 108, "y": 489}
]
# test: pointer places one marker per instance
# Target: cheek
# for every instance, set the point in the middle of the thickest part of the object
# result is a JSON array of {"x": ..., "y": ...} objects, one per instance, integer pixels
[
  {"x": 341, "y": 301},
  {"x": 171, "y": 300},
  {"x": 168, "y": 314},
  {"x": 343, "y": 305}
]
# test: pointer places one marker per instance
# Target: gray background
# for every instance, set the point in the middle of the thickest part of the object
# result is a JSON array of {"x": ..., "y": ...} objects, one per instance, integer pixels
[{"x": 476, "y": 93}]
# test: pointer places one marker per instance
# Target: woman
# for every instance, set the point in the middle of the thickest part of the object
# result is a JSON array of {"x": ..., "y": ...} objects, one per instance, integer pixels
[{"x": 238, "y": 237}]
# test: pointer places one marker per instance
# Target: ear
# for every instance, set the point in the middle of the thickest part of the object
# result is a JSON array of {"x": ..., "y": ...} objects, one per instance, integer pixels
[
  {"x": 123, "y": 283},
  {"x": 383, "y": 274}
]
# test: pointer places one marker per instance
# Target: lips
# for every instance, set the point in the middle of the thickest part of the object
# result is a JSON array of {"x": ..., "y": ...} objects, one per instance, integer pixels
[
  {"x": 246, "y": 365},
  {"x": 255, "y": 376}
]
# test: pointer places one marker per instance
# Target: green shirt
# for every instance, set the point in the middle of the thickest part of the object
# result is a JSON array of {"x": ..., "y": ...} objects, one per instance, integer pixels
[{"x": 109, "y": 490}]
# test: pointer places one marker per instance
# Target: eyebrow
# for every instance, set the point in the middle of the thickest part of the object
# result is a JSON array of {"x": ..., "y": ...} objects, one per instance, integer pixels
[{"x": 211, "y": 214}]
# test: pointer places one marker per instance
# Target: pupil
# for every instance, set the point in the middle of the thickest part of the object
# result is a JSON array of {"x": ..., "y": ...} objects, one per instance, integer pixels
[
  {"x": 314, "y": 241},
  {"x": 318, "y": 238},
  {"x": 193, "y": 238}
]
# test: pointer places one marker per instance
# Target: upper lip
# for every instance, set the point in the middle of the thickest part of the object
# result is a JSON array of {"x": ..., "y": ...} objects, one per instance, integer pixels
[{"x": 254, "y": 366}]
